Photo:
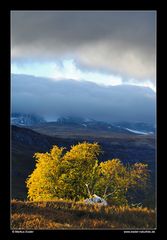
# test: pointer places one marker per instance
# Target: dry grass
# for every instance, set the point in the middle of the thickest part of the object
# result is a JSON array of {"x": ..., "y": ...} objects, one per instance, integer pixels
[{"x": 62, "y": 214}]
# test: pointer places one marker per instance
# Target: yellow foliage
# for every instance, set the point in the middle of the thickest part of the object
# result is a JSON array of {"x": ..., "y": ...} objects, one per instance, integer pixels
[{"x": 77, "y": 174}]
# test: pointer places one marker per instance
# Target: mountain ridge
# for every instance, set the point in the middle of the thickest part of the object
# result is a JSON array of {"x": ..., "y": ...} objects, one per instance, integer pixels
[{"x": 37, "y": 122}]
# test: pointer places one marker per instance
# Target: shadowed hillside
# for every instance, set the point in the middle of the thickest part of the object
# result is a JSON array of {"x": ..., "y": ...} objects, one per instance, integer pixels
[{"x": 25, "y": 142}]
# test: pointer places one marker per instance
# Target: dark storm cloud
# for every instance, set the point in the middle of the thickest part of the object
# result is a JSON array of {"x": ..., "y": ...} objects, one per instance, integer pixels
[
  {"x": 123, "y": 42},
  {"x": 81, "y": 27},
  {"x": 52, "y": 99}
]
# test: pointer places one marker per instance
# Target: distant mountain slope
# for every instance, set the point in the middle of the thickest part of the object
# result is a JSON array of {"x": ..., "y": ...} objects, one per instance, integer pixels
[
  {"x": 54, "y": 98},
  {"x": 71, "y": 128}
]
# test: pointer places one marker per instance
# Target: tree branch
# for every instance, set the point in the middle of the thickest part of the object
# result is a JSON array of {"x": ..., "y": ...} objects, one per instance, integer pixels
[
  {"x": 88, "y": 189},
  {"x": 110, "y": 194},
  {"x": 104, "y": 194}
]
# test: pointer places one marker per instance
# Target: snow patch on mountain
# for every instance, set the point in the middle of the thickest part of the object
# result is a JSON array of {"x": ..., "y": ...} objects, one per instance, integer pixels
[{"x": 138, "y": 132}]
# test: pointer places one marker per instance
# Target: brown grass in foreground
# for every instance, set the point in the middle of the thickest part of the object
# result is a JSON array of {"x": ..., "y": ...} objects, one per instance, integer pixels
[{"x": 62, "y": 214}]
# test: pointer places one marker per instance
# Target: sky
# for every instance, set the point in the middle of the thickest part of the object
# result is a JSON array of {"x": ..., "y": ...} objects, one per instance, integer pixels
[{"x": 108, "y": 48}]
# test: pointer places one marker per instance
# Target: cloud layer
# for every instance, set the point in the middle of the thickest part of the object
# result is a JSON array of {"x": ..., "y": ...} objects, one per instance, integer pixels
[
  {"x": 120, "y": 42},
  {"x": 52, "y": 99}
]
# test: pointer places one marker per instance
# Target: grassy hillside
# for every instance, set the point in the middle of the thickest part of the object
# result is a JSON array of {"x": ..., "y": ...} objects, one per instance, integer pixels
[{"x": 62, "y": 214}]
